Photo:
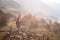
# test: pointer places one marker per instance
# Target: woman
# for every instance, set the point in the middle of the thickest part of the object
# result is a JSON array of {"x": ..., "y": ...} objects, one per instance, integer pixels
[{"x": 18, "y": 22}]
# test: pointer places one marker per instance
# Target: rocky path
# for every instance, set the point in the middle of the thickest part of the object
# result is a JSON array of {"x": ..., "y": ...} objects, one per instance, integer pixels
[{"x": 23, "y": 36}]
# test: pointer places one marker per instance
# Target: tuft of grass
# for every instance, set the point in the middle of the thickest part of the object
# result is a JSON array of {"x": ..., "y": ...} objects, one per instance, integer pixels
[
  {"x": 2, "y": 35},
  {"x": 57, "y": 36}
]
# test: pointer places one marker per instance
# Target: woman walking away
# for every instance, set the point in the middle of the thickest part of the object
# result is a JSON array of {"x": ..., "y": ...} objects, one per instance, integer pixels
[{"x": 18, "y": 22}]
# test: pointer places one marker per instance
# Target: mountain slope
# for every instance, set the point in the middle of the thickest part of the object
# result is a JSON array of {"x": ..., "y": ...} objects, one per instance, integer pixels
[{"x": 9, "y": 3}]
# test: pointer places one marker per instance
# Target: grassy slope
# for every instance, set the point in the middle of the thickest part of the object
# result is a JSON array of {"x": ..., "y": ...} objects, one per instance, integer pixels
[
  {"x": 6, "y": 28},
  {"x": 57, "y": 36}
]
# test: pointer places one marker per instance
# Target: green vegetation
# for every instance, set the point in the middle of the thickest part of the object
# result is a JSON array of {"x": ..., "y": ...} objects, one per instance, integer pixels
[
  {"x": 57, "y": 36},
  {"x": 2, "y": 35}
]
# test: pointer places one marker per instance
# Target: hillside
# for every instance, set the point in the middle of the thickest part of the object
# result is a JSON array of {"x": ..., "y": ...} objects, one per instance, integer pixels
[{"x": 9, "y": 3}]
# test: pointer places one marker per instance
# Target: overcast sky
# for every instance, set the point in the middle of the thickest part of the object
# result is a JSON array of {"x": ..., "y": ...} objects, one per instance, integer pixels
[{"x": 42, "y": 7}]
